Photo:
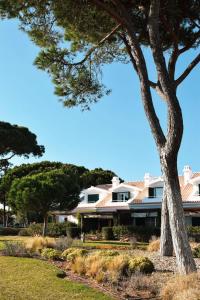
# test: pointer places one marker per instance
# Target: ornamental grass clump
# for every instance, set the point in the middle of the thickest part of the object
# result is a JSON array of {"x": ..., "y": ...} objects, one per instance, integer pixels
[
  {"x": 154, "y": 246},
  {"x": 50, "y": 253},
  {"x": 104, "y": 267},
  {"x": 37, "y": 243},
  {"x": 185, "y": 287}
]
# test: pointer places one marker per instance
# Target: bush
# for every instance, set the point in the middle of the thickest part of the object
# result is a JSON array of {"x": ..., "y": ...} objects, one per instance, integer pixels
[
  {"x": 50, "y": 253},
  {"x": 24, "y": 232},
  {"x": 9, "y": 231},
  {"x": 53, "y": 229},
  {"x": 12, "y": 248},
  {"x": 196, "y": 251},
  {"x": 63, "y": 243},
  {"x": 154, "y": 246},
  {"x": 142, "y": 234},
  {"x": 107, "y": 233},
  {"x": 72, "y": 253},
  {"x": 140, "y": 282},
  {"x": 73, "y": 232},
  {"x": 37, "y": 243},
  {"x": 141, "y": 264},
  {"x": 194, "y": 233},
  {"x": 185, "y": 287}
]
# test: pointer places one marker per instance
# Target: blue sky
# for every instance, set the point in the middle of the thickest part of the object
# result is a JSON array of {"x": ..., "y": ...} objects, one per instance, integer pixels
[{"x": 113, "y": 135}]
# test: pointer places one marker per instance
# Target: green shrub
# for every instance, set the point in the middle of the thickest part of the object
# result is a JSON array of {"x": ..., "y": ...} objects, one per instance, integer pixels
[
  {"x": 24, "y": 232},
  {"x": 50, "y": 253},
  {"x": 140, "y": 264},
  {"x": 194, "y": 233},
  {"x": 72, "y": 253},
  {"x": 12, "y": 248},
  {"x": 107, "y": 233},
  {"x": 142, "y": 234},
  {"x": 66, "y": 252},
  {"x": 73, "y": 232},
  {"x": 196, "y": 252},
  {"x": 9, "y": 231},
  {"x": 53, "y": 229}
]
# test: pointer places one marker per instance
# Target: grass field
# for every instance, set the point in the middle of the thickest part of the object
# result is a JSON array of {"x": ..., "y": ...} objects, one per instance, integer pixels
[{"x": 31, "y": 279}]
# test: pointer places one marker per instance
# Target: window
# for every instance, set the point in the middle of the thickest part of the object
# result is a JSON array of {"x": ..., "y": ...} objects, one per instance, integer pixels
[
  {"x": 93, "y": 198},
  {"x": 155, "y": 192},
  {"x": 120, "y": 197},
  {"x": 199, "y": 190}
]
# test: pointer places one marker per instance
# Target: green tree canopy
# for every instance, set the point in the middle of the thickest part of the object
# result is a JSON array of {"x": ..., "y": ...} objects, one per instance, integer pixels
[
  {"x": 78, "y": 37},
  {"x": 15, "y": 140},
  {"x": 96, "y": 177},
  {"x": 44, "y": 193},
  {"x": 18, "y": 140},
  {"x": 31, "y": 169}
]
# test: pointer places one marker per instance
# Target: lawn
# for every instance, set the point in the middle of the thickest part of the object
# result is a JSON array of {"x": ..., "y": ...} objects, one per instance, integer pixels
[{"x": 31, "y": 279}]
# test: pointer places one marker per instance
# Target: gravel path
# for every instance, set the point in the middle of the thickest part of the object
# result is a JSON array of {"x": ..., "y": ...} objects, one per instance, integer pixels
[{"x": 165, "y": 264}]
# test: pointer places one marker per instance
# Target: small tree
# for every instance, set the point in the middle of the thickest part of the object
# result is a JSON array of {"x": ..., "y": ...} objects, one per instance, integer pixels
[
  {"x": 15, "y": 141},
  {"x": 44, "y": 192}
]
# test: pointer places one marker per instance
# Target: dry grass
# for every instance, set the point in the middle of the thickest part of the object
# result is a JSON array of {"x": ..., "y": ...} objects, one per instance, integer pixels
[
  {"x": 109, "y": 267},
  {"x": 141, "y": 282},
  {"x": 185, "y": 287},
  {"x": 37, "y": 243},
  {"x": 154, "y": 246}
]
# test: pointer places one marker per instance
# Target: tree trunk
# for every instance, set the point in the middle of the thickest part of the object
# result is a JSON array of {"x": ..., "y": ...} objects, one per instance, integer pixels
[
  {"x": 44, "y": 231},
  {"x": 185, "y": 261},
  {"x": 4, "y": 213},
  {"x": 166, "y": 245}
]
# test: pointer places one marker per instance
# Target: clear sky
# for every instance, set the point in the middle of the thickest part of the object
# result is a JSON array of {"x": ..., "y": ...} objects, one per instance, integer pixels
[{"x": 113, "y": 135}]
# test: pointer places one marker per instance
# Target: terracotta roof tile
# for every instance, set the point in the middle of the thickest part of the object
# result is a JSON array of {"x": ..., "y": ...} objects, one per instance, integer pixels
[
  {"x": 104, "y": 186},
  {"x": 103, "y": 202}
]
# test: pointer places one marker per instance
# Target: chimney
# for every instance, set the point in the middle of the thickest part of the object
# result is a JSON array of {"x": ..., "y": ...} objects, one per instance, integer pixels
[
  {"x": 147, "y": 179},
  {"x": 187, "y": 174},
  {"x": 115, "y": 182}
]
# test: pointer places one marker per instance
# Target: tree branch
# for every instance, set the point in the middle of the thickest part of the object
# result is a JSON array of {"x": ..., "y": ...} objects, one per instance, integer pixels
[
  {"x": 109, "y": 10},
  {"x": 187, "y": 71},
  {"x": 190, "y": 44},
  {"x": 91, "y": 50},
  {"x": 137, "y": 55}
]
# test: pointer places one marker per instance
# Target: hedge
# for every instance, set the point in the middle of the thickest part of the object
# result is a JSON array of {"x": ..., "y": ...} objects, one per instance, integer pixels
[
  {"x": 53, "y": 229},
  {"x": 142, "y": 234},
  {"x": 9, "y": 231}
]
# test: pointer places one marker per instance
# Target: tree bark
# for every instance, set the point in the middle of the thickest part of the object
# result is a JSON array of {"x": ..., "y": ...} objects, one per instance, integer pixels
[
  {"x": 166, "y": 245},
  {"x": 44, "y": 231},
  {"x": 185, "y": 261}
]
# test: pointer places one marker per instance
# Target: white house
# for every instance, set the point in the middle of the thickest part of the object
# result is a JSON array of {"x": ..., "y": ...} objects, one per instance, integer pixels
[{"x": 135, "y": 203}]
